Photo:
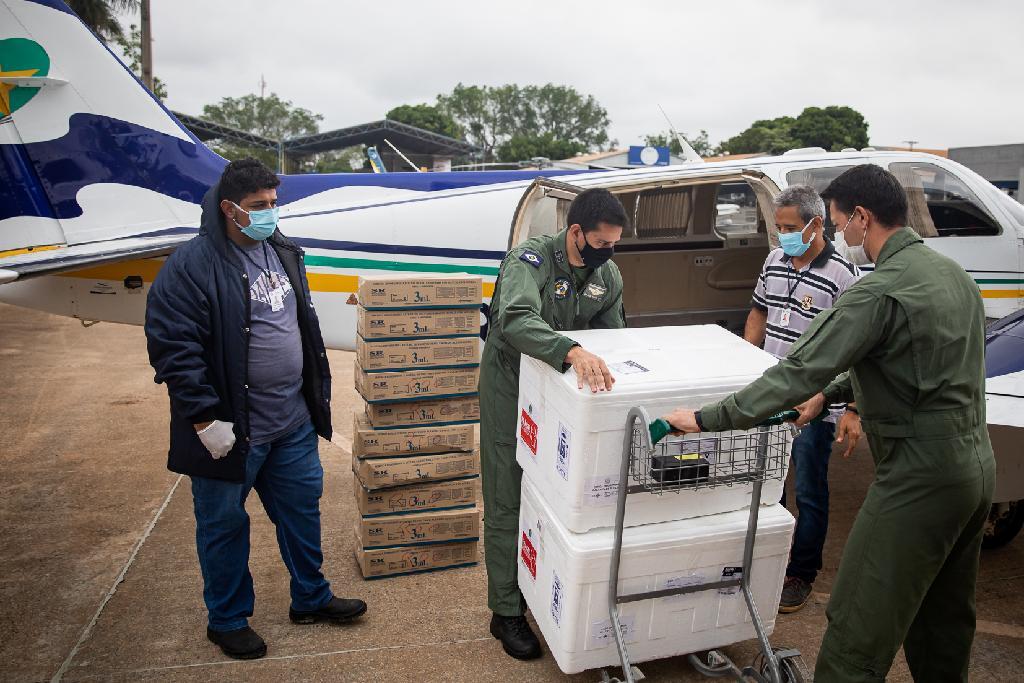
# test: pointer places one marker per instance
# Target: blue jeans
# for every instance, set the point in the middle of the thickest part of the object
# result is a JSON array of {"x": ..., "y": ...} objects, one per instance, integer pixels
[
  {"x": 288, "y": 477},
  {"x": 811, "y": 451}
]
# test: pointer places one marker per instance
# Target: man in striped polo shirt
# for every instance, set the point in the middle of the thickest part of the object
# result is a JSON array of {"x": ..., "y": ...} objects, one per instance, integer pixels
[{"x": 800, "y": 279}]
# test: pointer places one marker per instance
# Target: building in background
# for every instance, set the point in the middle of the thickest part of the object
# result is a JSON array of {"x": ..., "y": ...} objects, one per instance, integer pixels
[
  {"x": 1001, "y": 165},
  {"x": 636, "y": 156}
]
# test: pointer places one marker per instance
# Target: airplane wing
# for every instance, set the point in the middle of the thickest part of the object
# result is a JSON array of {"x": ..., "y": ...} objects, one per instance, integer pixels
[{"x": 51, "y": 261}]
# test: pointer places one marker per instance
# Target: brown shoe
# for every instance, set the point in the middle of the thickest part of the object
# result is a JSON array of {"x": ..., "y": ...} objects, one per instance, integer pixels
[{"x": 795, "y": 593}]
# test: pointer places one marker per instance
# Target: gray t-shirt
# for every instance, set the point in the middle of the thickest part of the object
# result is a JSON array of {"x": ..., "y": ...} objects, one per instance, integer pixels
[{"x": 276, "y": 404}]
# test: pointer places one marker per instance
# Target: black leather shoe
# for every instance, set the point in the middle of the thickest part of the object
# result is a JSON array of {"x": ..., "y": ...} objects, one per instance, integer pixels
[
  {"x": 242, "y": 643},
  {"x": 338, "y": 611},
  {"x": 516, "y": 636}
]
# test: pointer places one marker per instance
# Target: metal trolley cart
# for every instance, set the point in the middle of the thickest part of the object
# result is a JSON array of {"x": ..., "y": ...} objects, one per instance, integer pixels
[{"x": 691, "y": 463}]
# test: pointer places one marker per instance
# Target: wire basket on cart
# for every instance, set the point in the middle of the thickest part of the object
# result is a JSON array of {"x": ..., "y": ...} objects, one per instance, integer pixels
[
  {"x": 691, "y": 463},
  {"x": 706, "y": 460}
]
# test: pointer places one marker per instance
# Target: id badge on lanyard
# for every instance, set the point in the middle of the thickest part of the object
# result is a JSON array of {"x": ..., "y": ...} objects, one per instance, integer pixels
[
  {"x": 784, "y": 320},
  {"x": 277, "y": 292}
]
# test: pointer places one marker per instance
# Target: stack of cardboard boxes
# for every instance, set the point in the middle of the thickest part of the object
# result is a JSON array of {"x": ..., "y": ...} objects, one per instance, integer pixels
[{"x": 414, "y": 449}]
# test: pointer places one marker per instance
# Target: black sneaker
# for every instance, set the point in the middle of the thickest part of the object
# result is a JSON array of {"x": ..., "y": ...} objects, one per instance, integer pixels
[
  {"x": 795, "y": 593},
  {"x": 516, "y": 636},
  {"x": 338, "y": 611},
  {"x": 242, "y": 643}
]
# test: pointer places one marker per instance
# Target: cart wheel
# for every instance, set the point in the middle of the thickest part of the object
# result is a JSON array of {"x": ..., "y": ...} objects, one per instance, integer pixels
[
  {"x": 1004, "y": 523},
  {"x": 791, "y": 666},
  {"x": 793, "y": 670}
]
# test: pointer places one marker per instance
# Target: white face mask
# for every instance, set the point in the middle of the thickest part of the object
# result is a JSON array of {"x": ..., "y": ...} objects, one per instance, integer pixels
[{"x": 855, "y": 255}]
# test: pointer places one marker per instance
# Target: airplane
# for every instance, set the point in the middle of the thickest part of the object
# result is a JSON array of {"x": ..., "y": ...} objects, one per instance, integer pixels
[{"x": 99, "y": 182}]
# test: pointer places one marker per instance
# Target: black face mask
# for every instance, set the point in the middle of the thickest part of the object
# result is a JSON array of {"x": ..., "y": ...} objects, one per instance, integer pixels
[{"x": 594, "y": 257}]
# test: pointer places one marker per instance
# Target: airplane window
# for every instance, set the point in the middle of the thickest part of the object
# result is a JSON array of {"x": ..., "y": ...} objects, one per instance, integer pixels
[
  {"x": 736, "y": 209},
  {"x": 940, "y": 204},
  {"x": 819, "y": 179}
]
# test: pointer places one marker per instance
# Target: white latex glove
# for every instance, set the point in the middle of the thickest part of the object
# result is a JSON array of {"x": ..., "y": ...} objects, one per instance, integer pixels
[{"x": 218, "y": 437}]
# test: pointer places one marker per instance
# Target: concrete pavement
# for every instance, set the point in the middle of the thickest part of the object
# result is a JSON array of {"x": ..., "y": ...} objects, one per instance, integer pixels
[{"x": 85, "y": 499}]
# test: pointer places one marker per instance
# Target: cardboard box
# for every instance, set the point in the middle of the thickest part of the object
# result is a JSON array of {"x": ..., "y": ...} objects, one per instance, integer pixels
[
  {"x": 412, "y": 385},
  {"x": 375, "y": 564},
  {"x": 418, "y": 324},
  {"x": 430, "y": 495},
  {"x": 418, "y": 353},
  {"x": 445, "y": 411},
  {"x": 382, "y": 293},
  {"x": 398, "y": 531},
  {"x": 378, "y": 473},
  {"x": 368, "y": 442}
]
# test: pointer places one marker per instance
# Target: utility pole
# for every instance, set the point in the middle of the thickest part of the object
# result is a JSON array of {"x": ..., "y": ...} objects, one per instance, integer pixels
[
  {"x": 263, "y": 86},
  {"x": 147, "y": 47},
  {"x": 911, "y": 143}
]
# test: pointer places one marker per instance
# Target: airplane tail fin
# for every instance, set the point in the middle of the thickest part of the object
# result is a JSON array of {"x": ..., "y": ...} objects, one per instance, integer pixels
[{"x": 87, "y": 153}]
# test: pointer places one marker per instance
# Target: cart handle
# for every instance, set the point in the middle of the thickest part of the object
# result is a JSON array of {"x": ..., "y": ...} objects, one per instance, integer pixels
[{"x": 660, "y": 428}]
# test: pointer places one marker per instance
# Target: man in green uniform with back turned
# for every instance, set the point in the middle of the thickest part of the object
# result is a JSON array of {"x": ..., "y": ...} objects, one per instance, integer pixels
[
  {"x": 912, "y": 335},
  {"x": 546, "y": 285}
]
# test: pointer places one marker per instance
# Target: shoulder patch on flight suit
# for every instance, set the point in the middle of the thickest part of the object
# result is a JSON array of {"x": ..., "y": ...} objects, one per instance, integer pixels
[
  {"x": 595, "y": 291},
  {"x": 532, "y": 257},
  {"x": 561, "y": 288}
]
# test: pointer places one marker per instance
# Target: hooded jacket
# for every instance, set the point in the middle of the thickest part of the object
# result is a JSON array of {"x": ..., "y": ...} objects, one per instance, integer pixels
[{"x": 197, "y": 334}]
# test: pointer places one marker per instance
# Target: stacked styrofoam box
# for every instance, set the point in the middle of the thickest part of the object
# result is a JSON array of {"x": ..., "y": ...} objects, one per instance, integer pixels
[
  {"x": 414, "y": 447},
  {"x": 570, "y": 445}
]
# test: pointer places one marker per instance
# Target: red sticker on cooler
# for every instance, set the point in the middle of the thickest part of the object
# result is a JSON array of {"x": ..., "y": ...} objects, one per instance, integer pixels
[
  {"x": 528, "y": 554},
  {"x": 528, "y": 430}
]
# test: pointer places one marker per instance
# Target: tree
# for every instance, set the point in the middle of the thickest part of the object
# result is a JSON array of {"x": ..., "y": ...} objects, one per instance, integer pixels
[
  {"x": 344, "y": 160},
  {"x": 700, "y": 143},
  {"x": 101, "y": 15},
  {"x": 269, "y": 117},
  {"x": 427, "y": 117},
  {"x": 525, "y": 147},
  {"x": 768, "y": 136},
  {"x": 491, "y": 116},
  {"x": 131, "y": 47},
  {"x": 831, "y": 128}
]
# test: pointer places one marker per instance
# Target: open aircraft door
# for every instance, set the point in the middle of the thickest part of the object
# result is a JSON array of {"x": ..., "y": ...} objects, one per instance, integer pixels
[
  {"x": 694, "y": 247},
  {"x": 540, "y": 212},
  {"x": 765, "y": 190}
]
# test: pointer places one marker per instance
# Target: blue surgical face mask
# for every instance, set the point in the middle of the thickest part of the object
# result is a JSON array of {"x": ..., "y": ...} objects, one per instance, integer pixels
[
  {"x": 262, "y": 223},
  {"x": 793, "y": 244}
]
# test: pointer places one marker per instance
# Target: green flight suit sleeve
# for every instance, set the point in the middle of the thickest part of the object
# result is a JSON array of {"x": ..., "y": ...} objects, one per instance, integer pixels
[
  {"x": 840, "y": 390},
  {"x": 613, "y": 315},
  {"x": 520, "y": 312},
  {"x": 836, "y": 340}
]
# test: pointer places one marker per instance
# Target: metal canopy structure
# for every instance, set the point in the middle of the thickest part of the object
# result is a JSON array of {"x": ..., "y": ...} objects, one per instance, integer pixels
[
  {"x": 208, "y": 130},
  {"x": 405, "y": 137}
]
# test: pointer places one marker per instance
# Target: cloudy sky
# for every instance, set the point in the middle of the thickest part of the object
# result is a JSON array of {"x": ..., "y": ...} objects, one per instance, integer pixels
[{"x": 945, "y": 73}]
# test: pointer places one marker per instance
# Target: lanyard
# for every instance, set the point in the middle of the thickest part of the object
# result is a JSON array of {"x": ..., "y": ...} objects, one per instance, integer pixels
[
  {"x": 266, "y": 257},
  {"x": 799, "y": 278}
]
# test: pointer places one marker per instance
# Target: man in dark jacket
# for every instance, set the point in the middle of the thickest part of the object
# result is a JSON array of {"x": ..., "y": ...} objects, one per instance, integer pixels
[{"x": 231, "y": 330}]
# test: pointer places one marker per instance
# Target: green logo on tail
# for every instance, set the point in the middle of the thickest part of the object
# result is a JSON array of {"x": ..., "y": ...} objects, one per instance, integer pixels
[{"x": 19, "y": 58}]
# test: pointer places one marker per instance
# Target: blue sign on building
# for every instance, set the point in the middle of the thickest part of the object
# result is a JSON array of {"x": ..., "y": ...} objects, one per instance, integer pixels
[{"x": 640, "y": 155}]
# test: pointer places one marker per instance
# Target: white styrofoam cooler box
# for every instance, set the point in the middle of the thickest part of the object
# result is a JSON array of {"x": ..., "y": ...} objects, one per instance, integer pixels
[
  {"x": 564, "y": 577},
  {"x": 570, "y": 441}
]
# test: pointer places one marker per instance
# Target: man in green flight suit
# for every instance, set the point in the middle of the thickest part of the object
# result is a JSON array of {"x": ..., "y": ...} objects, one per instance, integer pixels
[
  {"x": 546, "y": 285},
  {"x": 912, "y": 336}
]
